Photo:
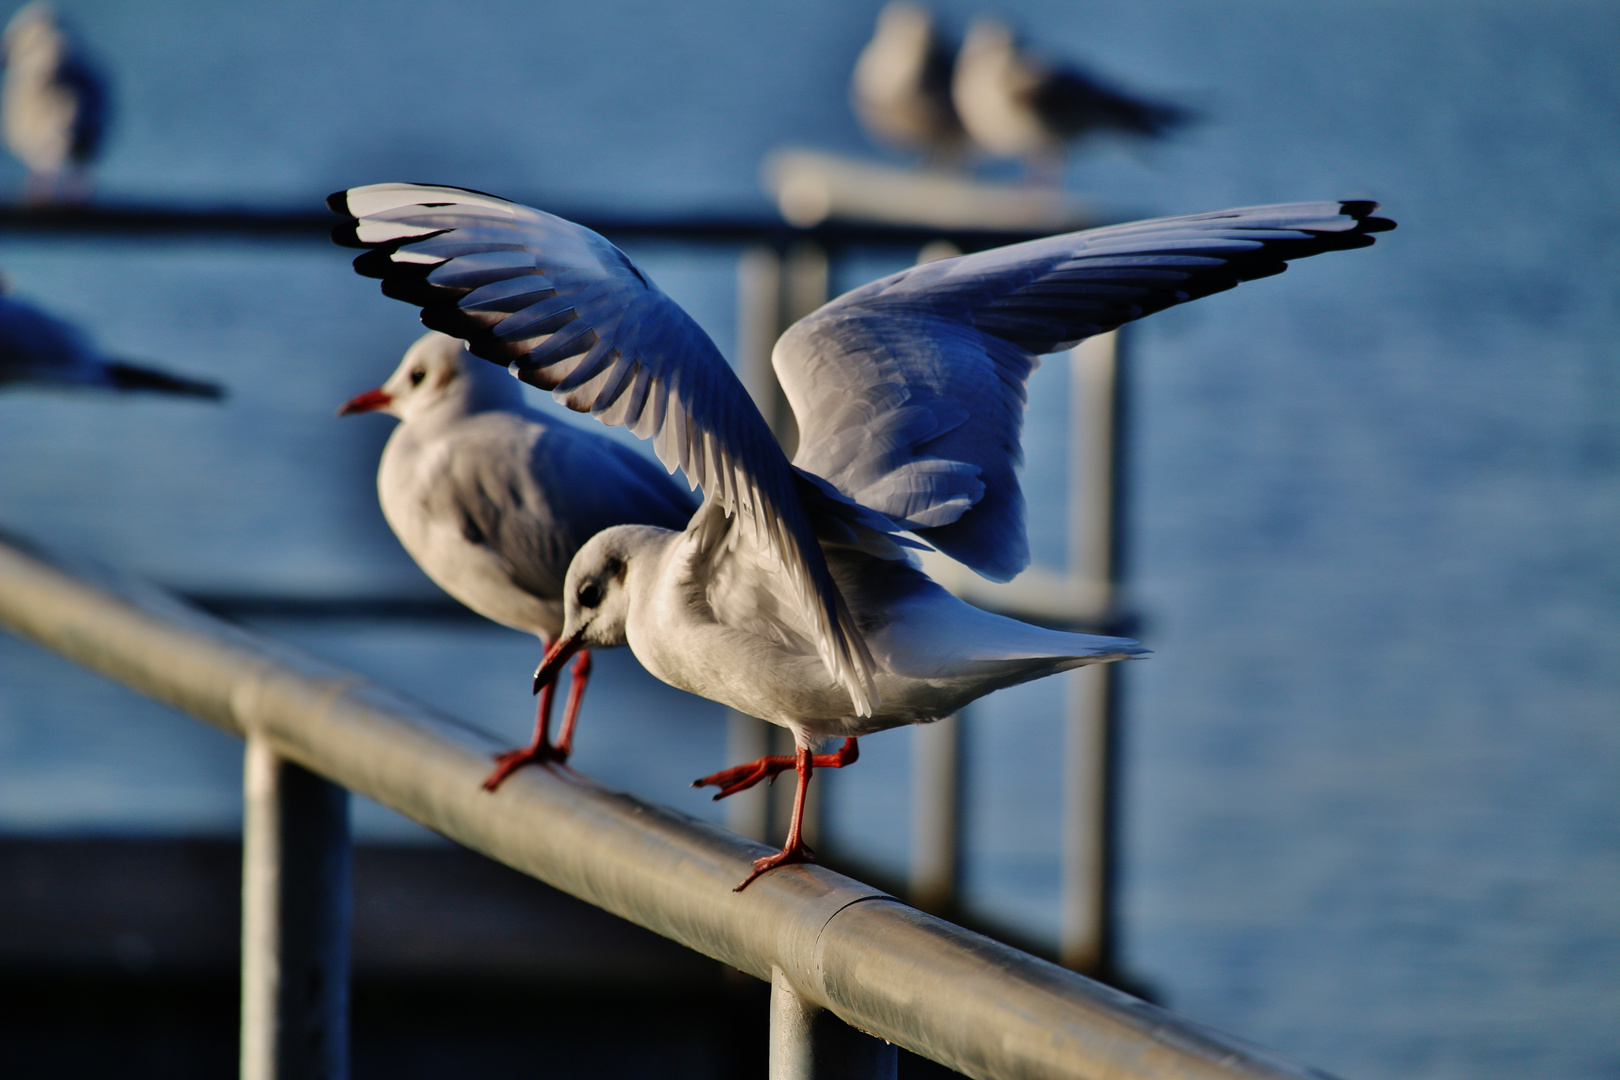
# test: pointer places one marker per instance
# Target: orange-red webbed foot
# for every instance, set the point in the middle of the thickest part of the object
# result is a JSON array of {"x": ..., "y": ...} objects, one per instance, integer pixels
[
  {"x": 800, "y": 853},
  {"x": 742, "y": 777},
  {"x": 512, "y": 760}
]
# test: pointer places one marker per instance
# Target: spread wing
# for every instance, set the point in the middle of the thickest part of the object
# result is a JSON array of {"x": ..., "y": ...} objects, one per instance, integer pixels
[
  {"x": 568, "y": 312},
  {"x": 910, "y": 391}
]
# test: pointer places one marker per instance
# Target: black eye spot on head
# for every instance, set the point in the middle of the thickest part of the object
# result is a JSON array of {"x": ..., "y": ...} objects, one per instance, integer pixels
[
  {"x": 590, "y": 594},
  {"x": 417, "y": 375}
]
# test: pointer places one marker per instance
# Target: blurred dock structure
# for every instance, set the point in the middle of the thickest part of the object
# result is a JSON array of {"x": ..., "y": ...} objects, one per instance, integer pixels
[
  {"x": 811, "y": 186},
  {"x": 853, "y": 972}
]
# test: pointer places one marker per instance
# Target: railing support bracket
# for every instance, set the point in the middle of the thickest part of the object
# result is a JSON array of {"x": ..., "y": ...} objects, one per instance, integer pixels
[{"x": 810, "y": 1043}]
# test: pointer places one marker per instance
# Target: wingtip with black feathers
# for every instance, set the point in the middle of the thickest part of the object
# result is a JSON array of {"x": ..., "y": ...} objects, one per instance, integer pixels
[
  {"x": 125, "y": 376},
  {"x": 1363, "y": 210}
]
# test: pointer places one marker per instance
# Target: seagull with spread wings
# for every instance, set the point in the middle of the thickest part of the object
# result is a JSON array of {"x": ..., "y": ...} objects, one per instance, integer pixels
[{"x": 791, "y": 595}]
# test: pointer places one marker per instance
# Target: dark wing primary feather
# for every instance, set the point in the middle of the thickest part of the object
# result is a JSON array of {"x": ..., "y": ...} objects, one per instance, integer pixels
[
  {"x": 127, "y": 376},
  {"x": 1074, "y": 103},
  {"x": 568, "y": 312},
  {"x": 910, "y": 391}
]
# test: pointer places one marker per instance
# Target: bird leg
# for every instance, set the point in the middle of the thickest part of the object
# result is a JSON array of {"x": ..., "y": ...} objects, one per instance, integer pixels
[
  {"x": 1045, "y": 170},
  {"x": 538, "y": 750},
  {"x": 39, "y": 189},
  {"x": 796, "y": 850},
  {"x": 578, "y": 674},
  {"x": 742, "y": 777}
]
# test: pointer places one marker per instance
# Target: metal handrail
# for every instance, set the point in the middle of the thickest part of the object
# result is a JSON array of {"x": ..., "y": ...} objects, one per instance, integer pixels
[{"x": 832, "y": 943}]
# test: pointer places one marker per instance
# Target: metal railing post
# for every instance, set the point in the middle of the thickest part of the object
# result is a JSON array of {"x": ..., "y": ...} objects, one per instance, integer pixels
[
  {"x": 1088, "y": 749},
  {"x": 295, "y": 921},
  {"x": 773, "y": 291},
  {"x": 810, "y": 1043},
  {"x": 1084, "y": 943},
  {"x": 936, "y": 814},
  {"x": 936, "y": 774},
  {"x": 807, "y": 1042}
]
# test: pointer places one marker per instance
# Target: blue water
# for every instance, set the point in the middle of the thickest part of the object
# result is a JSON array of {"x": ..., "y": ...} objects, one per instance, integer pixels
[{"x": 1371, "y": 809}]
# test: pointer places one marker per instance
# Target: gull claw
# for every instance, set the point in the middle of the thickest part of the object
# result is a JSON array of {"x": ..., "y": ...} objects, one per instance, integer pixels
[
  {"x": 786, "y": 857},
  {"x": 511, "y": 761}
]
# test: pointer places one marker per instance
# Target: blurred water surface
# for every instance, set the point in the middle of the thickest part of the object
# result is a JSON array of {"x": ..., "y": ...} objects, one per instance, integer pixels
[{"x": 1370, "y": 803}]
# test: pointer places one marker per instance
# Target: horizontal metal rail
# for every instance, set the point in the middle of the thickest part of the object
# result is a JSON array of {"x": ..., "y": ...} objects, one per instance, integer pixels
[
  {"x": 168, "y": 222},
  {"x": 883, "y": 967},
  {"x": 241, "y": 607}
]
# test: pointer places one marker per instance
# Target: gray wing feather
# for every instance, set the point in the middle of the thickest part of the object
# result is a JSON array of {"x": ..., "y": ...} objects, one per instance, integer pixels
[
  {"x": 512, "y": 493},
  {"x": 489, "y": 489},
  {"x": 910, "y": 391},
  {"x": 568, "y": 312}
]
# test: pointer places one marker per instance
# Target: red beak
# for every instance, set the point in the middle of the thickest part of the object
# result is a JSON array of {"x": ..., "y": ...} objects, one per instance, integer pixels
[
  {"x": 551, "y": 666},
  {"x": 370, "y": 401}
]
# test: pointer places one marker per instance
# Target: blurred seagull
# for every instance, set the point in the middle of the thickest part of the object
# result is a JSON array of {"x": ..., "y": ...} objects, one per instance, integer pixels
[
  {"x": 54, "y": 104},
  {"x": 492, "y": 499},
  {"x": 901, "y": 90},
  {"x": 790, "y": 596},
  {"x": 42, "y": 350},
  {"x": 1016, "y": 105}
]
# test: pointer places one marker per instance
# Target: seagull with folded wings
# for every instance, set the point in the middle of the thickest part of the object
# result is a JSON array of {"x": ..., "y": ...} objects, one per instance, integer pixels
[
  {"x": 492, "y": 499},
  {"x": 54, "y": 104},
  {"x": 901, "y": 87},
  {"x": 1015, "y": 104}
]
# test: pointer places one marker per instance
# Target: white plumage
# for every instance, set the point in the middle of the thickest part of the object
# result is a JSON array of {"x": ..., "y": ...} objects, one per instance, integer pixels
[
  {"x": 790, "y": 595},
  {"x": 901, "y": 88}
]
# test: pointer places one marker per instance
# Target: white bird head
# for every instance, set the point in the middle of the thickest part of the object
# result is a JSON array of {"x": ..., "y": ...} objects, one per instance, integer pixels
[
  {"x": 597, "y": 591},
  {"x": 905, "y": 27},
  {"x": 988, "y": 38},
  {"x": 34, "y": 40},
  {"x": 438, "y": 373}
]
